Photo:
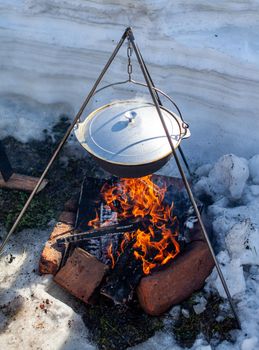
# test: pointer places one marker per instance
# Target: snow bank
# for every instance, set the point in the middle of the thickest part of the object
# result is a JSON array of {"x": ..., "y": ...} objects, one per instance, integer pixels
[
  {"x": 204, "y": 54},
  {"x": 235, "y": 217},
  {"x": 25, "y": 118}
]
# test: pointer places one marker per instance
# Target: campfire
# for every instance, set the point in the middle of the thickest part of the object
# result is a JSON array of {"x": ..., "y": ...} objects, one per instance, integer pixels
[
  {"x": 154, "y": 243},
  {"x": 126, "y": 233}
]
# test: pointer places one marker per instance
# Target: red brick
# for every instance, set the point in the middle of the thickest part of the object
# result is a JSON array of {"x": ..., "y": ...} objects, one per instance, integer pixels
[
  {"x": 81, "y": 274},
  {"x": 186, "y": 274}
]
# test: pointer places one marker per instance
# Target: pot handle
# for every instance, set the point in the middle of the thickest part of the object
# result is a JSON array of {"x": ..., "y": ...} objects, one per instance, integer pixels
[
  {"x": 184, "y": 126},
  {"x": 143, "y": 84}
]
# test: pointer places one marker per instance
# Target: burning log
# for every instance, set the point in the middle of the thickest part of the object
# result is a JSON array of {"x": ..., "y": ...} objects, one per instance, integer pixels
[
  {"x": 142, "y": 198},
  {"x": 151, "y": 244}
]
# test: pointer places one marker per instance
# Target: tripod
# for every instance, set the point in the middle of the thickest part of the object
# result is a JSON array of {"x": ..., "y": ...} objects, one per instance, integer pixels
[{"x": 153, "y": 91}]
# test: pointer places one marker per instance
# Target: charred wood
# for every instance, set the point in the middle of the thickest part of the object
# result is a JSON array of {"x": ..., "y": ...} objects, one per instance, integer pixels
[{"x": 124, "y": 277}]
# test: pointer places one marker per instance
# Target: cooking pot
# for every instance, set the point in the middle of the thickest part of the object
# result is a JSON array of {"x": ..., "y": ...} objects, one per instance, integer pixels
[{"x": 127, "y": 138}]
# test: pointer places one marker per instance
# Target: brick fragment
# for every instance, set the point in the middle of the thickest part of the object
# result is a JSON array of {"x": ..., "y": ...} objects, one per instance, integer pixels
[
  {"x": 67, "y": 217},
  {"x": 60, "y": 229},
  {"x": 71, "y": 205},
  {"x": 50, "y": 259},
  {"x": 51, "y": 255}
]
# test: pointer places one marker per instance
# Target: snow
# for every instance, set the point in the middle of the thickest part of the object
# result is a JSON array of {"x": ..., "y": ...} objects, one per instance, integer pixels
[
  {"x": 25, "y": 118},
  {"x": 254, "y": 190},
  {"x": 203, "y": 170},
  {"x": 242, "y": 242},
  {"x": 233, "y": 273},
  {"x": 203, "y": 54},
  {"x": 200, "y": 304},
  {"x": 34, "y": 314},
  {"x": 250, "y": 344},
  {"x": 186, "y": 313},
  {"x": 51, "y": 53}
]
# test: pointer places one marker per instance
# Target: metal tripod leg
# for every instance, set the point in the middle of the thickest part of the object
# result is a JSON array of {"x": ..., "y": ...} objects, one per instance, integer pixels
[
  {"x": 60, "y": 146},
  {"x": 187, "y": 186},
  {"x": 160, "y": 103}
]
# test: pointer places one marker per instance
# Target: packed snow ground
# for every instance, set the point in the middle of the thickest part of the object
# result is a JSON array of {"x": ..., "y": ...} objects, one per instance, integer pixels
[{"x": 36, "y": 314}]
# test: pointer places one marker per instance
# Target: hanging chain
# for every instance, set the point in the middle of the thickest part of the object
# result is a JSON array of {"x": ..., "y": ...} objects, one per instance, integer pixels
[{"x": 129, "y": 54}]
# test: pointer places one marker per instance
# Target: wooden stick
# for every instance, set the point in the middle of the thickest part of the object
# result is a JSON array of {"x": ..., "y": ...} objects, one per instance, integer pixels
[{"x": 22, "y": 182}]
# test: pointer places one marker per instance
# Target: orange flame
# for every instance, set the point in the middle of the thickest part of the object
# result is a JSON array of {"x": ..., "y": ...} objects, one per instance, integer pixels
[
  {"x": 110, "y": 255},
  {"x": 95, "y": 222},
  {"x": 141, "y": 198}
]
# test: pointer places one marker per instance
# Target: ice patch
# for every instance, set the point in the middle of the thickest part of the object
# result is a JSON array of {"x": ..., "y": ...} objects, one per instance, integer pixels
[{"x": 242, "y": 242}]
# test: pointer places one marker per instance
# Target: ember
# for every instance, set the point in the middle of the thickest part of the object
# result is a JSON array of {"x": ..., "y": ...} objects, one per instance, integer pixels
[{"x": 155, "y": 244}]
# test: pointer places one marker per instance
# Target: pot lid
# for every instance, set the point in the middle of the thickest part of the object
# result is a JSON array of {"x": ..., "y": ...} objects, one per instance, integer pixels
[{"x": 129, "y": 132}]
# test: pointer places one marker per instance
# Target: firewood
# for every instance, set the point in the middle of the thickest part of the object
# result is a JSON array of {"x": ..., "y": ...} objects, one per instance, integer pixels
[
  {"x": 22, "y": 182},
  {"x": 99, "y": 232},
  {"x": 124, "y": 278}
]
